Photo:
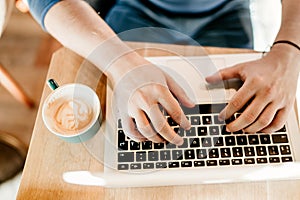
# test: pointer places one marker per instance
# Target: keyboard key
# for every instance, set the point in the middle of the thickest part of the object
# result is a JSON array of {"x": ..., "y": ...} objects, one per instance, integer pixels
[
  {"x": 230, "y": 119},
  {"x": 171, "y": 122},
  {"x": 185, "y": 143},
  {"x": 229, "y": 140},
  {"x": 261, "y": 150},
  {"x": 177, "y": 155},
  {"x": 283, "y": 129},
  {"x": 165, "y": 155},
  {"x": 179, "y": 131},
  {"x": 287, "y": 159},
  {"x": 194, "y": 142},
  {"x": 218, "y": 141},
  {"x": 237, "y": 152},
  {"x": 211, "y": 162},
  {"x": 123, "y": 145},
  {"x": 213, "y": 153},
  {"x": 224, "y": 132},
  {"x": 241, "y": 140},
  {"x": 153, "y": 155},
  {"x": 146, "y": 145},
  {"x": 134, "y": 145},
  {"x": 217, "y": 120},
  {"x": 123, "y": 167},
  {"x": 249, "y": 161},
  {"x": 186, "y": 164},
  {"x": 173, "y": 164},
  {"x": 199, "y": 163},
  {"x": 214, "y": 130},
  {"x": 135, "y": 166},
  {"x": 261, "y": 160},
  {"x": 125, "y": 157},
  {"x": 189, "y": 154},
  {"x": 202, "y": 131},
  {"x": 253, "y": 139},
  {"x": 285, "y": 149},
  {"x": 140, "y": 156},
  {"x": 160, "y": 165},
  {"x": 195, "y": 120},
  {"x": 273, "y": 150},
  {"x": 280, "y": 138},
  {"x": 265, "y": 139},
  {"x": 206, "y": 120},
  {"x": 121, "y": 136},
  {"x": 159, "y": 145},
  {"x": 249, "y": 151},
  {"x": 201, "y": 153},
  {"x": 224, "y": 162},
  {"x": 206, "y": 142},
  {"x": 148, "y": 165},
  {"x": 274, "y": 160},
  {"x": 170, "y": 145},
  {"x": 119, "y": 123},
  {"x": 237, "y": 161},
  {"x": 225, "y": 152},
  {"x": 191, "y": 132}
]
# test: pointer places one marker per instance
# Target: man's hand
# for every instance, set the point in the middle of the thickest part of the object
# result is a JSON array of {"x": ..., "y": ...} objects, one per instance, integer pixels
[
  {"x": 138, "y": 95},
  {"x": 269, "y": 88}
]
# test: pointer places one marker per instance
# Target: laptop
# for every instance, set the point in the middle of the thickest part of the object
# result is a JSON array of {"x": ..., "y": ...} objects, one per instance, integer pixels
[{"x": 209, "y": 153}]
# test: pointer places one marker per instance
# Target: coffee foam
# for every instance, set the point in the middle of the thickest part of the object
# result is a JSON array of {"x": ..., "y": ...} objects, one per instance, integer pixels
[{"x": 69, "y": 116}]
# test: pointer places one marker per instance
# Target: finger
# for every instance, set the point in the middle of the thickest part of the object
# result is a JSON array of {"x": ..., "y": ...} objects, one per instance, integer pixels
[
  {"x": 249, "y": 115},
  {"x": 278, "y": 122},
  {"x": 238, "y": 101},
  {"x": 179, "y": 92},
  {"x": 173, "y": 108},
  {"x": 224, "y": 74},
  {"x": 162, "y": 127},
  {"x": 263, "y": 120},
  {"x": 145, "y": 127},
  {"x": 130, "y": 130}
]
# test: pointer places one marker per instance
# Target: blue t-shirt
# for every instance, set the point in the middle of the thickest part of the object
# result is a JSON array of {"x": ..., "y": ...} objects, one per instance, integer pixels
[
  {"x": 39, "y": 8},
  {"x": 188, "y": 6}
]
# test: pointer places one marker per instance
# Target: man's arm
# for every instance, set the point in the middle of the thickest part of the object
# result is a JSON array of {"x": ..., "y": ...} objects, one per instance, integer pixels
[
  {"x": 269, "y": 83},
  {"x": 139, "y": 85}
]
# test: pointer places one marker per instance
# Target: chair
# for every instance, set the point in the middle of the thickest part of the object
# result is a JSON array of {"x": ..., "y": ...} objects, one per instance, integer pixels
[
  {"x": 6, "y": 80},
  {"x": 12, "y": 151}
]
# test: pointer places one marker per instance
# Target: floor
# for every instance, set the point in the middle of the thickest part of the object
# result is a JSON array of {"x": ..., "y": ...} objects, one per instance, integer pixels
[{"x": 21, "y": 47}]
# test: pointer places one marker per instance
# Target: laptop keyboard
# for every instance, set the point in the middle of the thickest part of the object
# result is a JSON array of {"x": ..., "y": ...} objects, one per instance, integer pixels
[{"x": 206, "y": 144}]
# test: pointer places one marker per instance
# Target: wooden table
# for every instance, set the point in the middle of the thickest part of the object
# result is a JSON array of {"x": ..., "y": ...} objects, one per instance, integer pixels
[{"x": 49, "y": 156}]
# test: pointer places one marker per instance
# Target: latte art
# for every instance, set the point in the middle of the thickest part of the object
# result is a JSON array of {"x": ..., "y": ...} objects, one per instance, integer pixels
[
  {"x": 70, "y": 116},
  {"x": 73, "y": 115}
]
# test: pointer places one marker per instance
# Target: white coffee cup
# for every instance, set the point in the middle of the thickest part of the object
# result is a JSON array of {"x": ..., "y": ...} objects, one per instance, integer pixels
[{"x": 72, "y": 112}]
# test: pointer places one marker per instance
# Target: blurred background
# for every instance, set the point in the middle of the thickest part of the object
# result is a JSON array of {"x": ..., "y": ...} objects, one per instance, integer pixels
[{"x": 25, "y": 52}]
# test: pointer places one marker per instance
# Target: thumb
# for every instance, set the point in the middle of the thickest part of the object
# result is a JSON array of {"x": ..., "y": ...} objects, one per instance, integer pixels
[{"x": 224, "y": 74}]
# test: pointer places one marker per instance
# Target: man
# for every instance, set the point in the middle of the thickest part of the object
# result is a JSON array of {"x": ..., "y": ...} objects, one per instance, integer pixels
[{"x": 269, "y": 83}]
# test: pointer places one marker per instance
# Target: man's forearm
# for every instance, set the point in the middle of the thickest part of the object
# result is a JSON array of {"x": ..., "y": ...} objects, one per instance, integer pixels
[
  {"x": 76, "y": 25},
  {"x": 290, "y": 26}
]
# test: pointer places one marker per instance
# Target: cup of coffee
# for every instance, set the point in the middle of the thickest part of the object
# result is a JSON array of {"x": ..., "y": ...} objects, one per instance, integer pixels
[{"x": 72, "y": 112}]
